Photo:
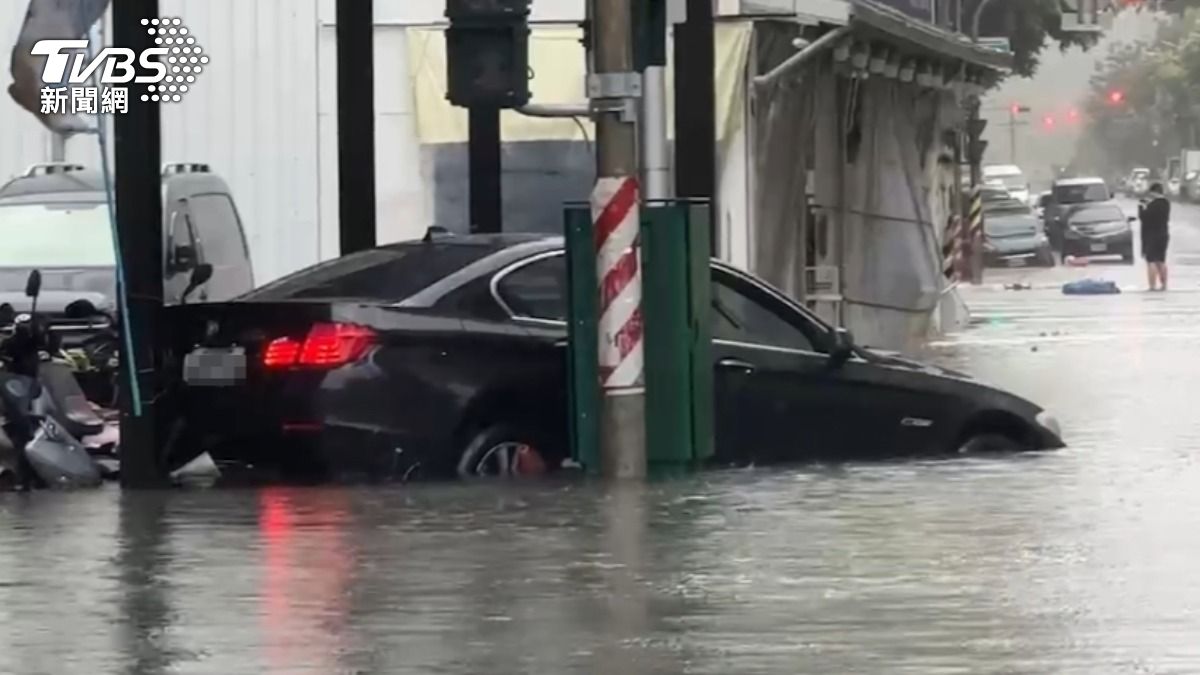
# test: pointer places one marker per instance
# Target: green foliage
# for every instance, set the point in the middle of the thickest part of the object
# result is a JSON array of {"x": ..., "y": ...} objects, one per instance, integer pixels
[
  {"x": 1160, "y": 110},
  {"x": 1029, "y": 25}
]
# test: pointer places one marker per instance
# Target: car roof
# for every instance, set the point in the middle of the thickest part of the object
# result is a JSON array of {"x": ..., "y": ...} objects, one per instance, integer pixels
[
  {"x": 73, "y": 184},
  {"x": 87, "y": 185},
  {"x": 1067, "y": 182}
]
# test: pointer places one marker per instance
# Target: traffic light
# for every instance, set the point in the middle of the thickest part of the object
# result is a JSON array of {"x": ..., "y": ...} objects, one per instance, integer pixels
[
  {"x": 1116, "y": 97},
  {"x": 1072, "y": 115},
  {"x": 487, "y": 53},
  {"x": 1048, "y": 121},
  {"x": 976, "y": 146},
  {"x": 1017, "y": 109}
]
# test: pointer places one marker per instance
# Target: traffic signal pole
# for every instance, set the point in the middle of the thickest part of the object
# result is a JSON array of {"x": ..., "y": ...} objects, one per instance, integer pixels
[
  {"x": 138, "y": 187},
  {"x": 355, "y": 32},
  {"x": 613, "y": 89}
]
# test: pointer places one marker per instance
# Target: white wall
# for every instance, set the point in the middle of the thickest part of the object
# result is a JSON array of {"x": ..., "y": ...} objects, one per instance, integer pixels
[{"x": 264, "y": 116}]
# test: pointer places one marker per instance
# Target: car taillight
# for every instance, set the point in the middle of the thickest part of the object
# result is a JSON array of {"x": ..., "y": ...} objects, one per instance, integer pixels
[{"x": 327, "y": 345}]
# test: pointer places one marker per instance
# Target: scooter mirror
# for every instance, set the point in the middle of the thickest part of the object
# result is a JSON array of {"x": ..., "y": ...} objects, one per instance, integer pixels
[
  {"x": 8, "y": 315},
  {"x": 80, "y": 309},
  {"x": 33, "y": 286}
]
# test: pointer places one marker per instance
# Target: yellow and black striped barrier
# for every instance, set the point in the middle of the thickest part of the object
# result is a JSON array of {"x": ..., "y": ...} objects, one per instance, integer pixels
[{"x": 975, "y": 233}]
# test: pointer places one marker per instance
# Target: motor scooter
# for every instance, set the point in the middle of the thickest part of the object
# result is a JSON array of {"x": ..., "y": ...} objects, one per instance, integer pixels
[{"x": 44, "y": 412}]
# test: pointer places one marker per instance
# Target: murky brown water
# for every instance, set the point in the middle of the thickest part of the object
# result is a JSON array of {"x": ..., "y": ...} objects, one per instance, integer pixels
[{"x": 1084, "y": 561}]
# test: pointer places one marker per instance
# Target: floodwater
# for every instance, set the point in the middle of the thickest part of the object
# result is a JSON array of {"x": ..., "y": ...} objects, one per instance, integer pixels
[{"x": 1082, "y": 561}]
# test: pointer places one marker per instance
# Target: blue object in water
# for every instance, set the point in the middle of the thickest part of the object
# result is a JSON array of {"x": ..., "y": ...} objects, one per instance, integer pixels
[{"x": 1090, "y": 287}]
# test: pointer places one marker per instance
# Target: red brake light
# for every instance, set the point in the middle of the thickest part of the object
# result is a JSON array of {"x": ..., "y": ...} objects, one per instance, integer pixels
[
  {"x": 281, "y": 353},
  {"x": 328, "y": 345}
]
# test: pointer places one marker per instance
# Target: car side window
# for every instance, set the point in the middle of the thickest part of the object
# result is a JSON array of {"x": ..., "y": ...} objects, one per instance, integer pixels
[
  {"x": 221, "y": 235},
  {"x": 180, "y": 233},
  {"x": 537, "y": 290},
  {"x": 739, "y": 314}
]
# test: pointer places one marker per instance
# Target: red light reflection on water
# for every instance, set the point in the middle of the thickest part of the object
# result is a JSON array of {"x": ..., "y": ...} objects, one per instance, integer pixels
[{"x": 306, "y": 567}]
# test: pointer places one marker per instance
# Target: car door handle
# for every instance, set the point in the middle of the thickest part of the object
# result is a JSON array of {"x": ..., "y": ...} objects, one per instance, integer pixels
[{"x": 736, "y": 364}]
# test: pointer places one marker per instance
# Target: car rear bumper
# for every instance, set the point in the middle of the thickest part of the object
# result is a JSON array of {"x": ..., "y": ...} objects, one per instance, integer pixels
[
  {"x": 289, "y": 423},
  {"x": 1030, "y": 251},
  {"x": 1115, "y": 244}
]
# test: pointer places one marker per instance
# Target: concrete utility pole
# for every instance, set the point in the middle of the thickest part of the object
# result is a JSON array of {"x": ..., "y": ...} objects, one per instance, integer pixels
[{"x": 615, "y": 217}]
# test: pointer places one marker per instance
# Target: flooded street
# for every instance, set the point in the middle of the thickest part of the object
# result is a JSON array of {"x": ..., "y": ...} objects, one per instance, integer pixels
[{"x": 1081, "y": 561}]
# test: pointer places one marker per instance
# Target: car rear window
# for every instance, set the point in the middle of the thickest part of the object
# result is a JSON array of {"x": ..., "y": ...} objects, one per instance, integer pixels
[
  {"x": 1079, "y": 194},
  {"x": 388, "y": 274},
  {"x": 1097, "y": 214}
]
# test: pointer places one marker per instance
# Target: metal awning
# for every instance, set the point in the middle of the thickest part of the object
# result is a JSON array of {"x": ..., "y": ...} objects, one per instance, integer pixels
[{"x": 868, "y": 16}]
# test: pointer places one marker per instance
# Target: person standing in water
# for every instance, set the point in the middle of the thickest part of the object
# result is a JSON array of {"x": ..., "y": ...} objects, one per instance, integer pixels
[{"x": 1155, "y": 215}]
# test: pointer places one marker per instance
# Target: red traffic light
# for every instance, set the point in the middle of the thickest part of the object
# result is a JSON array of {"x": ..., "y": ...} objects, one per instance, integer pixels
[
  {"x": 1073, "y": 115},
  {"x": 1048, "y": 121},
  {"x": 1116, "y": 96}
]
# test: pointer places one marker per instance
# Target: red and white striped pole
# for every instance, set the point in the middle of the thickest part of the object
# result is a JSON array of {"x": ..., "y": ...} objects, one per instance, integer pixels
[
  {"x": 618, "y": 267},
  {"x": 620, "y": 326}
]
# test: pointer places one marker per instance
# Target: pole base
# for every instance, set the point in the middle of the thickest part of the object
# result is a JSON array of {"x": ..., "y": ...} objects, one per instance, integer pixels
[{"x": 623, "y": 434}]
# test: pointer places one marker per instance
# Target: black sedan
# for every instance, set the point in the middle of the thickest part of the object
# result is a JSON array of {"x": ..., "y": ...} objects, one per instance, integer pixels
[
  {"x": 448, "y": 357},
  {"x": 1096, "y": 229}
]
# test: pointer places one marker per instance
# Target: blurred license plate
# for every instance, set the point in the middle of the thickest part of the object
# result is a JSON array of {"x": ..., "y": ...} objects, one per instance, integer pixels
[
  {"x": 1099, "y": 248},
  {"x": 1017, "y": 262},
  {"x": 215, "y": 367}
]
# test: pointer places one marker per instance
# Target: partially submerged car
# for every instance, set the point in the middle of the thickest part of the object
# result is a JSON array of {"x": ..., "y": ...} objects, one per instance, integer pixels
[
  {"x": 448, "y": 357},
  {"x": 1013, "y": 235}
]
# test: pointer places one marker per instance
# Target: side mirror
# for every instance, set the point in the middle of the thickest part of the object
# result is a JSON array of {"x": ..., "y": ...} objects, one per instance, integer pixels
[
  {"x": 200, "y": 276},
  {"x": 8, "y": 315},
  {"x": 1132, "y": 219},
  {"x": 843, "y": 348},
  {"x": 80, "y": 309},
  {"x": 33, "y": 285},
  {"x": 183, "y": 258}
]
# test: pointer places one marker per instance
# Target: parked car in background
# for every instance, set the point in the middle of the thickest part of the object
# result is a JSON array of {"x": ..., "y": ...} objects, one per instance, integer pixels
[
  {"x": 1139, "y": 182},
  {"x": 447, "y": 357},
  {"x": 55, "y": 218},
  {"x": 1013, "y": 236},
  {"x": 1097, "y": 229},
  {"x": 1191, "y": 186},
  {"x": 1065, "y": 194},
  {"x": 1011, "y": 178}
]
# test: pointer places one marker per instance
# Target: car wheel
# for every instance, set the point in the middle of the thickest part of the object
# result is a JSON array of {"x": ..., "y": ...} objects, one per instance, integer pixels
[
  {"x": 502, "y": 451},
  {"x": 991, "y": 444}
]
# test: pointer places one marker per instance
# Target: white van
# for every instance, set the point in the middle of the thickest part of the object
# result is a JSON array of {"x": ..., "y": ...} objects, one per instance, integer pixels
[
  {"x": 1011, "y": 178},
  {"x": 55, "y": 218}
]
